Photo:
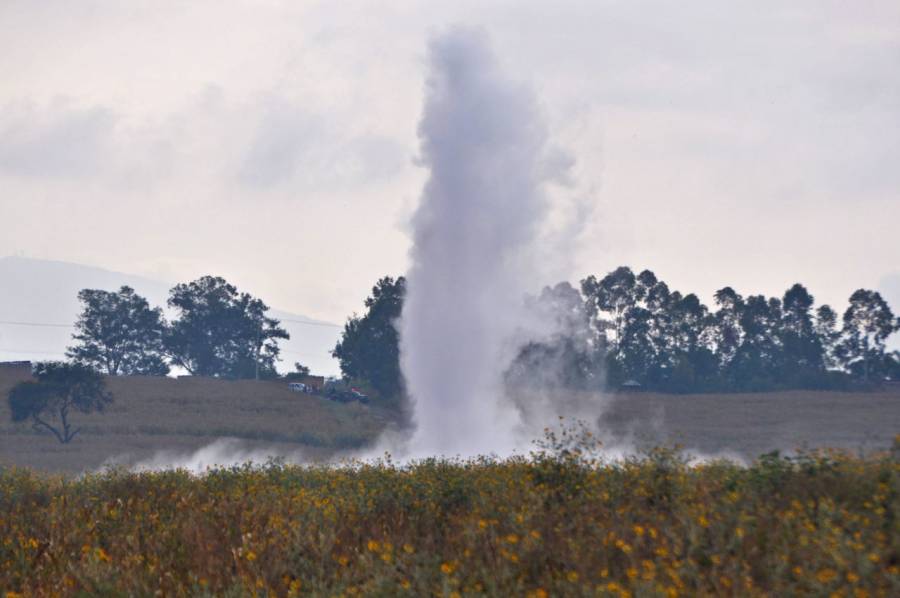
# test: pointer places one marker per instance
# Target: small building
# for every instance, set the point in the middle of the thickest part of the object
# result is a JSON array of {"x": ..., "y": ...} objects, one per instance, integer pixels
[
  {"x": 314, "y": 383},
  {"x": 13, "y": 372}
]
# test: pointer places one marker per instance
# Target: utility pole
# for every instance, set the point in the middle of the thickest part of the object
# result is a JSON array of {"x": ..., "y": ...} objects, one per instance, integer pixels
[{"x": 258, "y": 350}]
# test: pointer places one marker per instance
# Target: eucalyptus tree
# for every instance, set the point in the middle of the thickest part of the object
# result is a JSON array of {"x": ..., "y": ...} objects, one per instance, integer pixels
[
  {"x": 868, "y": 322},
  {"x": 802, "y": 352}
]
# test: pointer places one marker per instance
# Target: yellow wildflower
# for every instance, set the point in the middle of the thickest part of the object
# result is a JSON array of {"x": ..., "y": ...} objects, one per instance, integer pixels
[{"x": 826, "y": 575}]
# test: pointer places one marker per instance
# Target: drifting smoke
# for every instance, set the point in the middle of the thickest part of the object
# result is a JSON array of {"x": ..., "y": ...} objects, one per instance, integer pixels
[
  {"x": 475, "y": 238},
  {"x": 487, "y": 363},
  {"x": 224, "y": 452}
]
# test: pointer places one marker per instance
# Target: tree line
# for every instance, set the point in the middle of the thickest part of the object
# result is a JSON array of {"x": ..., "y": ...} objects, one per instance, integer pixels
[
  {"x": 668, "y": 341},
  {"x": 623, "y": 329},
  {"x": 218, "y": 331},
  {"x": 633, "y": 330}
]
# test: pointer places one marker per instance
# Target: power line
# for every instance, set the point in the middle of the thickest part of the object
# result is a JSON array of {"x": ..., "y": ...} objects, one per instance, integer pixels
[
  {"x": 53, "y": 325},
  {"x": 38, "y": 324},
  {"x": 50, "y": 325},
  {"x": 300, "y": 353},
  {"x": 2, "y": 350},
  {"x": 329, "y": 325},
  {"x": 31, "y": 352}
]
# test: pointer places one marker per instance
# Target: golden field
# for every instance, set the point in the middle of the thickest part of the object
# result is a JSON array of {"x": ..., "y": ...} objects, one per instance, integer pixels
[
  {"x": 150, "y": 414},
  {"x": 153, "y": 415},
  {"x": 556, "y": 524}
]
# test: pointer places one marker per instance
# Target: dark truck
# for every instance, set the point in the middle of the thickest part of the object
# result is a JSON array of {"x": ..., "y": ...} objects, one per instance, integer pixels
[{"x": 340, "y": 391}]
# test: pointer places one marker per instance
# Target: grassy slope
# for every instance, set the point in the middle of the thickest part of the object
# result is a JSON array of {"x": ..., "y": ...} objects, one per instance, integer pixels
[
  {"x": 154, "y": 414},
  {"x": 151, "y": 414},
  {"x": 749, "y": 424}
]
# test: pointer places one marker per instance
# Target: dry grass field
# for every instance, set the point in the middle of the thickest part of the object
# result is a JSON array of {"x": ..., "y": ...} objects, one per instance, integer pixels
[
  {"x": 151, "y": 414},
  {"x": 562, "y": 523},
  {"x": 179, "y": 416},
  {"x": 749, "y": 424}
]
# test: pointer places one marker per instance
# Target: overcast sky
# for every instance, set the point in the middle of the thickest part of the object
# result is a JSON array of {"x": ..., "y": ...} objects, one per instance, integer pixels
[{"x": 746, "y": 143}]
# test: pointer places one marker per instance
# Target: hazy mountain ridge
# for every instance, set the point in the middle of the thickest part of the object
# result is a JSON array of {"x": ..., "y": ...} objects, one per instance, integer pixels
[{"x": 35, "y": 291}]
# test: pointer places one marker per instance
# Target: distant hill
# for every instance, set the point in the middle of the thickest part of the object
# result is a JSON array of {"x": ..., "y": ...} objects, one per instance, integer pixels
[{"x": 45, "y": 292}]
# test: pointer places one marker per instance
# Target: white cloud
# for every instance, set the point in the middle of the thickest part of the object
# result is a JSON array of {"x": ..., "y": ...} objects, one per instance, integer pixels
[
  {"x": 291, "y": 147},
  {"x": 59, "y": 141},
  {"x": 719, "y": 143}
]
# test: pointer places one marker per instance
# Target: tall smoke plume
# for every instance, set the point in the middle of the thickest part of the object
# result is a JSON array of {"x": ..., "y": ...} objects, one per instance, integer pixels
[{"x": 475, "y": 237}]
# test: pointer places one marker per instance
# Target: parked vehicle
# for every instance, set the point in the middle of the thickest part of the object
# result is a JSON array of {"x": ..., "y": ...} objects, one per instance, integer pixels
[{"x": 338, "y": 390}]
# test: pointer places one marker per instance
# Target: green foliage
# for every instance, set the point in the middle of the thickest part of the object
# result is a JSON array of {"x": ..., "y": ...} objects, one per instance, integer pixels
[
  {"x": 118, "y": 333},
  {"x": 59, "y": 389},
  {"x": 369, "y": 348},
  {"x": 614, "y": 293},
  {"x": 558, "y": 524},
  {"x": 670, "y": 342},
  {"x": 625, "y": 327},
  {"x": 568, "y": 358},
  {"x": 868, "y": 322},
  {"x": 300, "y": 372},
  {"x": 221, "y": 332},
  {"x": 26, "y": 399}
]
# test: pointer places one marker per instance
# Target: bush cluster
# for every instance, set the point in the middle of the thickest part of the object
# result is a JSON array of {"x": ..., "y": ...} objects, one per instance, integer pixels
[{"x": 557, "y": 523}]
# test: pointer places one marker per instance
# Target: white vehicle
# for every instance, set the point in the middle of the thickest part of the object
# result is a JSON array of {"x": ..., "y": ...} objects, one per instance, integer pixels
[{"x": 298, "y": 387}]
